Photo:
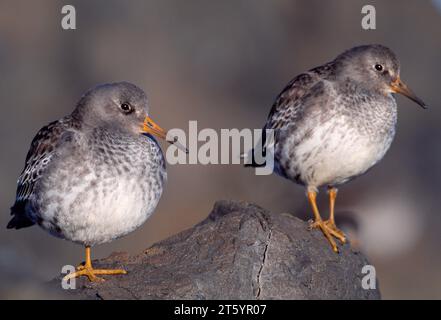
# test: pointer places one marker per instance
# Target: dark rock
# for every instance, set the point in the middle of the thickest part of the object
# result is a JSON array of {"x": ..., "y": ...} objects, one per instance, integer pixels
[{"x": 240, "y": 251}]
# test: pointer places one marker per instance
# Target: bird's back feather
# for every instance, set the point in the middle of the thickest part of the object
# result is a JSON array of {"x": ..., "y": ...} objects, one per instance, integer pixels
[
  {"x": 42, "y": 149},
  {"x": 288, "y": 106}
]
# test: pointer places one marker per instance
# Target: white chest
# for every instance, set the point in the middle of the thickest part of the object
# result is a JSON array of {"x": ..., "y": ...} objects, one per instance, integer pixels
[
  {"x": 98, "y": 210},
  {"x": 334, "y": 153}
]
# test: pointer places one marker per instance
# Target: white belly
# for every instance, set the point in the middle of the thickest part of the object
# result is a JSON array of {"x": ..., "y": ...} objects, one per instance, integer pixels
[
  {"x": 94, "y": 214},
  {"x": 329, "y": 157}
]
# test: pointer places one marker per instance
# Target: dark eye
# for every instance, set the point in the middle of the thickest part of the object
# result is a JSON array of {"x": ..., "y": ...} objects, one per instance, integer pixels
[
  {"x": 126, "y": 108},
  {"x": 378, "y": 67}
]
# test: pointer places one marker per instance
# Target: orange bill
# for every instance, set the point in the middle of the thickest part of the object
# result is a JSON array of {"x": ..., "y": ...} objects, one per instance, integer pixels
[
  {"x": 398, "y": 86},
  {"x": 150, "y": 127}
]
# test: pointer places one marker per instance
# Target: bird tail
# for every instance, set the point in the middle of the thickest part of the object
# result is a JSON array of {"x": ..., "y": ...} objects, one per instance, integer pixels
[
  {"x": 250, "y": 156},
  {"x": 19, "y": 219},
  {"x": 249, "y": 160}
]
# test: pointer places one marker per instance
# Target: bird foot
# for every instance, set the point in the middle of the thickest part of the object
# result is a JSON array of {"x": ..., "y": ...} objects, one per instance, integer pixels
[
  {"x": 329, "y": 230},
  {"x": 92, "y": 273},
  {"x": 336, "y": 232}
]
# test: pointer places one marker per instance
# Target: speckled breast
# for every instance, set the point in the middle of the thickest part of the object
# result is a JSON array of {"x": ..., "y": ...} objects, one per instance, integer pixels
[
  {"x": 96, "y": 196},
  {"x": 338, "y": 145}
]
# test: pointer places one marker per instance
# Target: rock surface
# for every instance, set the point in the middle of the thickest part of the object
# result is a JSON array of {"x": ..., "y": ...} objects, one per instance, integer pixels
[{"x": 240, "y": 251}]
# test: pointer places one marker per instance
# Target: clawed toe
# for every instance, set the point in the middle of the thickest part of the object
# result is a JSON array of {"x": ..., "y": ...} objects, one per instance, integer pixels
[
  {"x": 86, "y": 269},
  {"x": 91, "y": 273},
  {"x": 320, "y": 224},
  {"x": 328, "y": 227},
  {"x": 337, "y": 233}
]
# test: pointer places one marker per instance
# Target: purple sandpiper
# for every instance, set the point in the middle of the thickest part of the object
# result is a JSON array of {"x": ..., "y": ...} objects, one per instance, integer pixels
[
  {"x": 94, "y": 175},
  {"x": 335, "y": 122}
]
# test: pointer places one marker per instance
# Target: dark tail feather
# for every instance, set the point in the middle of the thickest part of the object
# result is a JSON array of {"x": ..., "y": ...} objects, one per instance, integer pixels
[
  {"x": 19, "y": 219},
  {"x": 18, "y": 222},
  {"x": 250, "y": 160}
]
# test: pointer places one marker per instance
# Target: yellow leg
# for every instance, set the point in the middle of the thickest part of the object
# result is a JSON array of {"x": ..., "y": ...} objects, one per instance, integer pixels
[
  {"x": 332, "y": 197},
  {"x": 87, "y": 270},
  {"x": 330, "y": 223},
  {"x": 318, "y": 222}
]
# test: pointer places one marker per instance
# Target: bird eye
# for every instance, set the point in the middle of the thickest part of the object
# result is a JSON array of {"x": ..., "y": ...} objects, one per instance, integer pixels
[
  {"x": 126, "y": 108},
  {"x": 378, "y": 67}
]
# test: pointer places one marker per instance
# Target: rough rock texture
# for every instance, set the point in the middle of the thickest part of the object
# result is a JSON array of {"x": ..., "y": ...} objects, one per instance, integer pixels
[{"x": 240, "y": 251}]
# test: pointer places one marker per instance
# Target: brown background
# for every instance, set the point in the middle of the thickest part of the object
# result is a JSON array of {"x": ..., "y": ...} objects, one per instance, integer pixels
[{"x": 222, "y": 63}]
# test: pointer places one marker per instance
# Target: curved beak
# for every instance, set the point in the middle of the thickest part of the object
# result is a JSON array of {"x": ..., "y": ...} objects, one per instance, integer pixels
[
  {"x": 398, "y": 86},
  {"x": 150, "y": 127}
]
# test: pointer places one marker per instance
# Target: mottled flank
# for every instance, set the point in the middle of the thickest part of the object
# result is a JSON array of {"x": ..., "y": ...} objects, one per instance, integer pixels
[{"x": 92, "y": 176}]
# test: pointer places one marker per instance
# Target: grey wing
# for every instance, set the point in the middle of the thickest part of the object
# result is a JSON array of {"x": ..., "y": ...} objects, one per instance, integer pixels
[
  {"x": 38, "y": 158},
  {"x": 290, "y": 106},
  {"x": 289, "y": 103},
  {"x": 287, "y": 108}
]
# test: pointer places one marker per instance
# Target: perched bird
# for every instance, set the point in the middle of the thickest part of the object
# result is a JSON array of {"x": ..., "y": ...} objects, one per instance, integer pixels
[
  {"x": 334, "y": 122},
  {"x": 94, "y": 175}
]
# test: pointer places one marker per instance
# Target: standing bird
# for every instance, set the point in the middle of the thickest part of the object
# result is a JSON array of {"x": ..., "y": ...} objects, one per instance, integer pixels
[
  {"x": 334, "y": 122},
  {"x": 95, "y": 175}
]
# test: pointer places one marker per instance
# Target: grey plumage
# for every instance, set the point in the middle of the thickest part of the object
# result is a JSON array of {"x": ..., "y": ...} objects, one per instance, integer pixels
[
  {"x": 91, "y": 177},
  {"x": 345, "y": 104},
  {"x": 42, "y": 148},
  {"x": 335, "y": 122}
]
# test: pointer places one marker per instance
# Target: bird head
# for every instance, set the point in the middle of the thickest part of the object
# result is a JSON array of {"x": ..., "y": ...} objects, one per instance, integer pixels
[
  {"x": 123, "y": 107},
  {"x": 377, "y": 68}
]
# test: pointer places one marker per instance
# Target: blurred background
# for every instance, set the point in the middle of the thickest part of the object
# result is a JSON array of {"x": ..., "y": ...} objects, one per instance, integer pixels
[{"x": 223, "y": 63}]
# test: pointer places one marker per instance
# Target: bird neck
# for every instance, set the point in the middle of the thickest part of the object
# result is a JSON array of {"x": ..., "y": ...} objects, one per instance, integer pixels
[{"x": 355, "y": 87}]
